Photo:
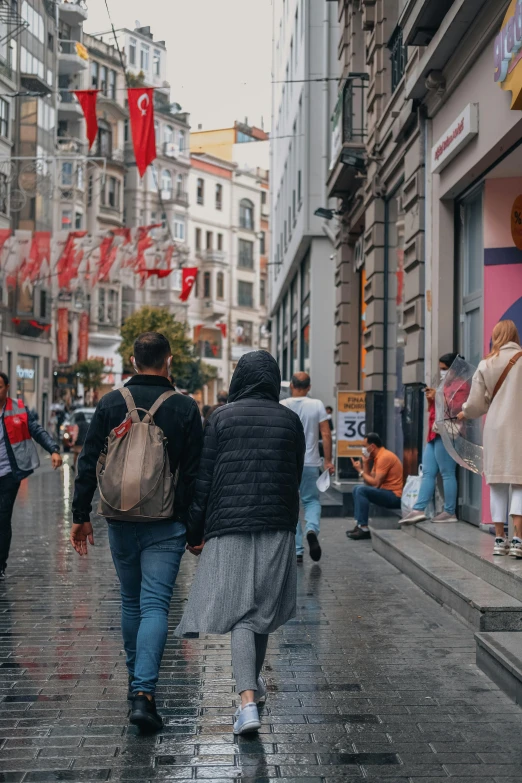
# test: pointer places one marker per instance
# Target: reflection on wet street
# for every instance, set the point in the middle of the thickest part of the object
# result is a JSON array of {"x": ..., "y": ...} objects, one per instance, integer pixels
[{"x": 371, "y": 681}]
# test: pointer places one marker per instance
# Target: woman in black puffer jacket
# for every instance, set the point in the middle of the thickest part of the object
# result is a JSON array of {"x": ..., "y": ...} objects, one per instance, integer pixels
[{"x": 245, "y": 509}]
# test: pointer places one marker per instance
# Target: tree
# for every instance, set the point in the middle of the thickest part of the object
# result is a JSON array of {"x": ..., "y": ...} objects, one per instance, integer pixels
[
  {"x": 197, "y": 375},
  {"x": 184, "y": 365},
  {"x": 90, "y": 373}
]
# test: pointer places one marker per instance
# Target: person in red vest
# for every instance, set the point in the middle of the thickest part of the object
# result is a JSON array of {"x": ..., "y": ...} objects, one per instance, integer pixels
[{"x": 18, "y": 458}]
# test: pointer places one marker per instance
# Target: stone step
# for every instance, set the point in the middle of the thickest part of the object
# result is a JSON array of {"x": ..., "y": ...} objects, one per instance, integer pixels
[
  {"x": 479, "y": 603},
  {"x": 499, "y": 655},
  {"x": 472, "y": 549}
]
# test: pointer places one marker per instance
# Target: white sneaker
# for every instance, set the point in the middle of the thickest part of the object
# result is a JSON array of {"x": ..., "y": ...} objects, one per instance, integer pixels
[
  {"x": 445, "y": 517},
  {"x": 516, "y": 548},
  {"x": 247, "y": 719},
  {"x": 413, "y": 517},
  {"x": 501, "y": 547}
]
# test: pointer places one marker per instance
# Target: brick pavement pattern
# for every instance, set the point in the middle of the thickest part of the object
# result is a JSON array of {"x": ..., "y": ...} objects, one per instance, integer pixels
[{"x": 372, "y": 681}]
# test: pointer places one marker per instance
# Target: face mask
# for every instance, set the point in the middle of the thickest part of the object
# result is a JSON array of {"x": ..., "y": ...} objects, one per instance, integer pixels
[
  {"x": 135, "y": 365},
  {"x": 443, "y": 374},
  {"x": 365, "y": 453}
]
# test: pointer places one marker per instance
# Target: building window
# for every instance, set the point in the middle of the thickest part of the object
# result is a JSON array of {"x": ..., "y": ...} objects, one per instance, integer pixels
[
  {"x": 181, "y": 141},
  {"x": 262, "y": 243},
  {"x": 144, "y": 57},
  {"x": 112, "y": 85},
  {"x": 3, "y": 193},
  {"x": 95, "y": 74},
  {"x": 169, "y": 134},
  {"x": 166, "y": 184},
  {"x": 220, "y": 241},
  {"x": 243, "y": 138},
  {"x": 262, "y": 292},
  {"x": 197, "y": 239},
  {"x": 200, "y": 197},
  {"x": 220, "y": 285},
  {"x": 207, "y": 285},
  {"x": 398, "y": 56},
  {"x": 104, "y": 79},
  {"x": 246, "y": 214},
  {"x": 219, "y": 197},
  {"x": 66, "y": 220},
  {"x": 156, "y": 62},
  {"x": 210, "y": 240},
  {"x": 104, "y": 139},
  {"x": 113, "y": 192},
  {"x": 50, "y": 42},
  {"x": 299, "y": 189},
  {"x": 245, "y": 294},
  {"x": 78, "y": 218},
  {"x": 132, "y": 51},
  {"x": 4, "y": 118},
  {"x": 244, "y": 332},
  {"x": 67, "y": 174},
  {"x": 179, "y": 227},
  {"x": 246, "y": 254},
  {"x": 263, "y": 197}
]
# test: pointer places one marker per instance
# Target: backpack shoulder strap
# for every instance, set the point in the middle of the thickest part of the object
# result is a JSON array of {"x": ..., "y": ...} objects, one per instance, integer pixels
[
  {"x": 131, "y": 405},
  {"x": 161, "y": 399},
  {"x": 507, "y": 369}
]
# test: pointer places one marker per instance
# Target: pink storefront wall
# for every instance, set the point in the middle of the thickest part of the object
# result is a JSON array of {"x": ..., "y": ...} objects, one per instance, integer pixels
[{"x": 502, "y": 268}]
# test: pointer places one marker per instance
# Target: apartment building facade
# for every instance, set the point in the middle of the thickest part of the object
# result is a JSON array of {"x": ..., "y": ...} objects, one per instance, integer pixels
[{"x": 302, "y": 299}]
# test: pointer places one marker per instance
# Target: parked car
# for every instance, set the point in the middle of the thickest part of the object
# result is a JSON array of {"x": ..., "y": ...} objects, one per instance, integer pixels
[{"x": 68, "y": 428}]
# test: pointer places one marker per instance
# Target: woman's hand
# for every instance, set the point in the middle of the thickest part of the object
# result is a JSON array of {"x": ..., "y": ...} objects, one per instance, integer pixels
[
  {"x": 80, "y": 535},
  {"x": 196, "y": 550},
  {"x": 56, "y": 460},
  {"x": 461, "y": 416},
  {"x": 430, "y": 394}
]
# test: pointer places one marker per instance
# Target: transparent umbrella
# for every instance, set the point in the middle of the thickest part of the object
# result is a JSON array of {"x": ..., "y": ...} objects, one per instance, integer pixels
[{"x": 462, "y": 439}]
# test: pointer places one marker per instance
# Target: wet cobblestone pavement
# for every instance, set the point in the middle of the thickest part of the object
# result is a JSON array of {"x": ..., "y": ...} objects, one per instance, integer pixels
[{"x": 373, "y": 680}]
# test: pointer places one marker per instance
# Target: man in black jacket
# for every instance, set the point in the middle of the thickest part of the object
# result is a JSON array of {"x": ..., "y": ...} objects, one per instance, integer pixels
[{"x": 146, "y": 555}]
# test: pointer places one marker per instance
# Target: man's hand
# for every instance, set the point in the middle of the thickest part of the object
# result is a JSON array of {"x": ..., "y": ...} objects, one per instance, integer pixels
[
  {"x": 196, "y": 550},
  {"x": 56, "y": 460},
  {"x": 357, "y": 464},
  {"x": 329, "y": 466},
  {"x": 80, "y": 534}
]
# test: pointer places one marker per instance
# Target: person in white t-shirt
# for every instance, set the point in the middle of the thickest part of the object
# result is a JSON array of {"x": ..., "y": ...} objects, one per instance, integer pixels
[{"x": 314, "y": 419}]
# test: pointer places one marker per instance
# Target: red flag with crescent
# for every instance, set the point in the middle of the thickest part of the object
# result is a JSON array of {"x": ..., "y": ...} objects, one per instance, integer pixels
[
  {"x": 87, "y": 100},
  {"x": 141, "y": 113},
  {"x": 188, "y": 278}
]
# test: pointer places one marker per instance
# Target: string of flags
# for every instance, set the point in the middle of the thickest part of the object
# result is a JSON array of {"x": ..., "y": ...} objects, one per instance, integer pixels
[{"x": 72, "y": 260}]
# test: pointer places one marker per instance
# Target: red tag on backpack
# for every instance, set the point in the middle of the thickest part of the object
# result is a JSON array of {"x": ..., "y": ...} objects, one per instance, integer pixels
[{"x": 122, "y": 429}]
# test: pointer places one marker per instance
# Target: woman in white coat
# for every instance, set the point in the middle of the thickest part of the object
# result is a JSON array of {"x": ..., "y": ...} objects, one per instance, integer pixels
[{"x": 497, "y": 391}]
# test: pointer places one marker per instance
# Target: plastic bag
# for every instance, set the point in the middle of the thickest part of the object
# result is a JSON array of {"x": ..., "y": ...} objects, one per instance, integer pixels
[
  {"x": 410, "y": 495},
  {"x": 323, "y": 482}
]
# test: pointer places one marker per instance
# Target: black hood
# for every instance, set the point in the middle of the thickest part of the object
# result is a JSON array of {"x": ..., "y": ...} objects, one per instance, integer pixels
[{"x": 256, "y": 375}]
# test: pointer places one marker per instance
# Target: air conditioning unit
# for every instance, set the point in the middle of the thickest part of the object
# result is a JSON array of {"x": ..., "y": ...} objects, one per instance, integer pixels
[{"x": 170, "y": 150}]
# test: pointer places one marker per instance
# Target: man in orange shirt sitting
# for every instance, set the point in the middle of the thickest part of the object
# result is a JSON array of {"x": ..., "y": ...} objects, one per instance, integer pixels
[{"x": 382, "y": 473}]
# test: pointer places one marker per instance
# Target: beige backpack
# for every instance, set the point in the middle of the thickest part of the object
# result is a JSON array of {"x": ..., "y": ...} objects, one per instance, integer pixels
[{"x": 133, "y": 470}]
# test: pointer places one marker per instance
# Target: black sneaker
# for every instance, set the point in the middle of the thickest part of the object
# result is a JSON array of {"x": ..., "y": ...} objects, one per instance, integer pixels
[
  {"x": 353, "y": 530},
  {"x": 145, "y": 715},
  {"x": 315, "y": 547},
  {"x": 359, "y": 534},
  {"x": 299, "y": 560},
  {"x": 2, "y": 574},
  {"x": 130, "y": 694}
]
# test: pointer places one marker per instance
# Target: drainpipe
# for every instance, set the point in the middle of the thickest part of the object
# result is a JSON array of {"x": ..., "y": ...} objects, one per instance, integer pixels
[
  {"x": 428, "y": 319},
  {"x": 326, "y": 96}
]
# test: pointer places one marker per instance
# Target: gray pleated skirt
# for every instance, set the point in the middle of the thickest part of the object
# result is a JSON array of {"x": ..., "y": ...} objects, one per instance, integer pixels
[{"x": 243, "y": 580}]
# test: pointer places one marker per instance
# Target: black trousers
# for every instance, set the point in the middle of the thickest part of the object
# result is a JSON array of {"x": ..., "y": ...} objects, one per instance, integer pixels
[{"x": 8, "y": 491}]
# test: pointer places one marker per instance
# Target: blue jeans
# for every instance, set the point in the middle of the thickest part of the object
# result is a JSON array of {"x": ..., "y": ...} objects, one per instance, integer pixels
[
  {"x": 363, "y": 495},
  {"x": 434, "y": 460},
  {"x": 147, "y": 556},
  {"x": 312, "y": 506}
]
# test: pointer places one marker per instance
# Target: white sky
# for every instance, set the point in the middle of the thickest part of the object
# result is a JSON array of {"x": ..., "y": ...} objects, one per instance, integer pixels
[{"x": 219, "y": 53}]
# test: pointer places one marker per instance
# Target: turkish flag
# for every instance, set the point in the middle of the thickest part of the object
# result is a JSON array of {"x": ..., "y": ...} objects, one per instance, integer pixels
[
  {"x": 157, "y": 272},
  {"x": 188, "y": 278},
  {"x": 87, "y": 100},
  {"x": 223, "y": 328},
  {"x": 141, "y": 113}
]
